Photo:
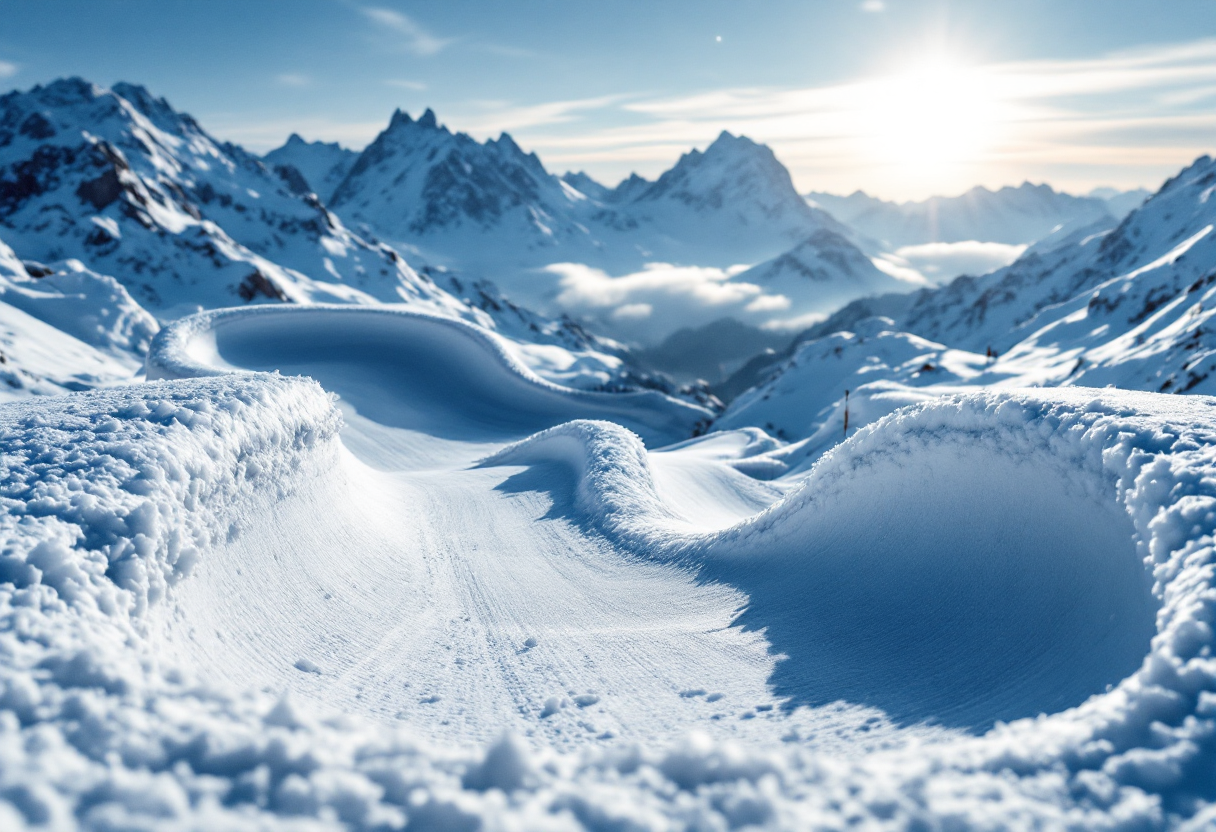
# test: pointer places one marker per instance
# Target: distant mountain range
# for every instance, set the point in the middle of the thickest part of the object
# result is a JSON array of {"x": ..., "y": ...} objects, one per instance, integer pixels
[
  {"x": 1131, "y": 306},
  {"x": 124, "y": 205},
  {"x": 490, "y": 209},
  {"x": 1012, "y": 216}
]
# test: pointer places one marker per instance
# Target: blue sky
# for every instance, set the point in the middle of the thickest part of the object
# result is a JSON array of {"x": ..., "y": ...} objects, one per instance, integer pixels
[{"x": 902, "y": 98}]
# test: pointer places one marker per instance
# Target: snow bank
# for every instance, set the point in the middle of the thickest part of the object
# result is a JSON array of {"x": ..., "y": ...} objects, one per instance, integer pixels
[
  {"x": 460, "y": 370},
  {"x": 109, "y": 497}
]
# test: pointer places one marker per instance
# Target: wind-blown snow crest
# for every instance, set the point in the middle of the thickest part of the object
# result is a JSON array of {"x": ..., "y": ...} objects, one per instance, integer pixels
[{"x": 483, "y": 360}]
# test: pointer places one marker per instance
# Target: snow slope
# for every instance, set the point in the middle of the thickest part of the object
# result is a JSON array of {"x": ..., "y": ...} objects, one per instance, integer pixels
[
  {"x": 1129, "y": 307},
  {"x": 230, "y": 606},
  {"x": 120, "y": 181},
  {"x": 68, "y": 329},
  {"x": 323, "y": 165}
]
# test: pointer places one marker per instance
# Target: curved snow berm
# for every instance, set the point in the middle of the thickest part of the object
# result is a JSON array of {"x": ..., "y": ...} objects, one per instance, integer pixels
[
  {"x": 405, "y": 368},
  {"x": 978, "y": 559}
]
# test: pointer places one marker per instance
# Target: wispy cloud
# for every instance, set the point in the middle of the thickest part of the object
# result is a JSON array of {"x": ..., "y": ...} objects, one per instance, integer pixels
[
  {"x": 404, "y": 84},
  {"x": 649, "y": 304},
  {"x": 495, "y": 116},
  {"x": 293, "y": 79},
  {"x": 1126, "y": 118},
  {"x": 873, "y": 6},
  {"x": 412, "y": 36},
  {"x": 8, "y": 69},
  {"x": 504, "y": 51}
]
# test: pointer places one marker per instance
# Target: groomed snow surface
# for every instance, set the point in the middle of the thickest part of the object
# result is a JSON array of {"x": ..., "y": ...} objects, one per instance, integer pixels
[{"x": 425, "y": 588}]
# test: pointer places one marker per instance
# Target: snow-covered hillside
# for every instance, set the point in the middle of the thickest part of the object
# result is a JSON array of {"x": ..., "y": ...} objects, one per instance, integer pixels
[
  {"x": 63, "y": 327},
  {"x": 422, "y": 558},
  {"x": 122, "y": 182},
  {"x": 322, "y": 165},
  {"x": 1129, "y": 307},
  {"x": 135, "y": 205}
]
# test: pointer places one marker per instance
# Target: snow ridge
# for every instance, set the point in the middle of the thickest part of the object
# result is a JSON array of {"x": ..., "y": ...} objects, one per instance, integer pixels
[
  {"x": 111, "y": 496},
  {"x": 188, "y": 348}
]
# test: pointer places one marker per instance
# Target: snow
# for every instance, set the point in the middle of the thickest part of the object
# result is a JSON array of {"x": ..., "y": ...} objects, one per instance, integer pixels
[
  {"x": 323, "y": 165},
  {"x": 183, "y": 647},
  {"x": 1127, "y": 307}
]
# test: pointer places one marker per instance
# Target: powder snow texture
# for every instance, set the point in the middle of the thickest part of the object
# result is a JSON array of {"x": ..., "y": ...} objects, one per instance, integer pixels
[{"x": 111, "y": 496}]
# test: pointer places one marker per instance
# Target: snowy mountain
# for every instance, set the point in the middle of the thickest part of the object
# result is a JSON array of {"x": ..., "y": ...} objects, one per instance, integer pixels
[
  {"x": 1120, "y": 203},
  {"x": 136, "y": 206},
  {"x": 585, "y": 184},
  {"x": 124, "y": 183},
  {"x": 734, "y": 202},
  {"x": 490, "y": 211},
  {"x": 322, "y": 166},
  {"x": 1011, "y": 216},
  {"x": 1129, "y": 307},
  {"x": 821, "y": 273},
  {"x": 420, "y": 183},
  {"x": 492, "y": 205}
]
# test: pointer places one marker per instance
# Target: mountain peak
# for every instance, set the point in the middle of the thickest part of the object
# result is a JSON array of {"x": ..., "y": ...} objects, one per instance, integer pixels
[
  {"x": 728, "y": 142},
  {"x": 66, "y": 91},
  {"x": 400, "y": 119},
  {"x": 133, "y": 92}
]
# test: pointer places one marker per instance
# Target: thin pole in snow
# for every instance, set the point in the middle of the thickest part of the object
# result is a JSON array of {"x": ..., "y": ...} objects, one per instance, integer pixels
[{"x": 846, "y": 414}]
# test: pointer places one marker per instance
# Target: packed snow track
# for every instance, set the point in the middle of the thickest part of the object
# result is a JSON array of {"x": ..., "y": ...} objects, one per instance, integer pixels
[{"x": 990, "y": 606}]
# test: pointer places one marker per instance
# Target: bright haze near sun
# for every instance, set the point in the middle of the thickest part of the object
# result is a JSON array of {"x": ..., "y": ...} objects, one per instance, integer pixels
[{"x": 901, "y": 98}]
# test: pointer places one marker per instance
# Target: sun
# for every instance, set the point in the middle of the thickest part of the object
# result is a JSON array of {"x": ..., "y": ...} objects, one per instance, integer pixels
[{"x": 935, "y": 115}]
